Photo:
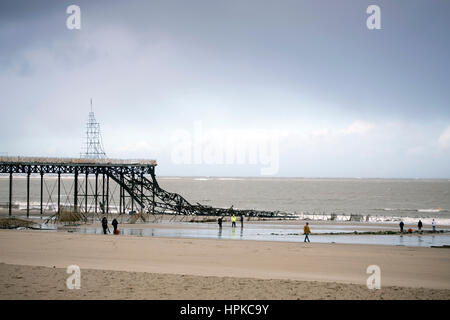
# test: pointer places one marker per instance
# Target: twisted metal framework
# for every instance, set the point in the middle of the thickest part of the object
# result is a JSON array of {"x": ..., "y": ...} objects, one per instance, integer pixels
[{"x": 135, "y": 178}]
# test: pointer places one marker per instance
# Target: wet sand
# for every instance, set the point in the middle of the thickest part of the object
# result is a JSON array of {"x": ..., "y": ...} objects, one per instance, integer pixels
[{"x": 165, "y": 268}]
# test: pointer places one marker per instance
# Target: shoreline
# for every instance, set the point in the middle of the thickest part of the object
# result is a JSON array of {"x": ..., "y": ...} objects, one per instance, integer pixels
[
  {"x": 272, "y": 230},
  {"x": 164, "y": 218}
]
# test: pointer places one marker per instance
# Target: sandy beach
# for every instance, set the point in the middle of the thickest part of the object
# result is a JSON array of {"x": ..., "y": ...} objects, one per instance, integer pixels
[
  {"x": 187, "y": 150},
  {"x": 33, "y": 266}
]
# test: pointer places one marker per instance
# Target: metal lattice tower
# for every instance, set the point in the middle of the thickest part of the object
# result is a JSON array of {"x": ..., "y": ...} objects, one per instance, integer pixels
[{"x": 94, "y": 144}]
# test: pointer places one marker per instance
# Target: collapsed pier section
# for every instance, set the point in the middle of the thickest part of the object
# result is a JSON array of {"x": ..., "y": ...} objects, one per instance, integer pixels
[{"x": 136, "y": 180}]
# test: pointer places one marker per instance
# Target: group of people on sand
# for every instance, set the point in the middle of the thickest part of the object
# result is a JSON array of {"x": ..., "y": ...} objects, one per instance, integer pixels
[
  {"x": 419, "y": 226},
  {"x": 233, "y": 221},
  {"x": 114, "y": 223},
  {"x": 105, "y": 226},
  {"x": 306, "y": 230}
]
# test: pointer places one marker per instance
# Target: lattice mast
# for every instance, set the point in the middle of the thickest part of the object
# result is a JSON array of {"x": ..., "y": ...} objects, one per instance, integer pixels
[{"x": 94, "y": 144}]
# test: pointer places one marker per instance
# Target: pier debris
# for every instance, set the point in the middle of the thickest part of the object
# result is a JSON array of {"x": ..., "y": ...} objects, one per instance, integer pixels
[
  {"x": 136, "y": 216},
  {"x": 67, "y": 215},
  {"x": 136, "y": 180},
  {"x": 14, "y": 223},
  {"x": 356, "y": 217}
]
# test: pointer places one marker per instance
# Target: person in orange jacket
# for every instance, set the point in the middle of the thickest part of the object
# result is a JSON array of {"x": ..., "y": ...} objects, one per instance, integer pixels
[{"x": 306, "y": 231}]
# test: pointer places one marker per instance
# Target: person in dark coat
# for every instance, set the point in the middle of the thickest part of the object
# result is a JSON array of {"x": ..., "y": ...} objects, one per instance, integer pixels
[
  {"x": 219, "y": 221},
  {"x": 419, "y": 225},
  {"x": 104, "y": 224},
  {"x": 242, "y": 220},
  {"x": 401, "y": 226},
  {"x": 115, "y": 223}
]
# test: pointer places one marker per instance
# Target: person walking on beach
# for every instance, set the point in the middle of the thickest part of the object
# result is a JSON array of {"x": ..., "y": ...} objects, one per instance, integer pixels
[
  {"x": 433, "y": 224},
  {"x": 104, "y": 224},
  {"x": 401, "y": 226},
  {"x": 219, "y": 221},
  {"x": 306, "y": 231},
  {"x": 233, "y": 220},
  {"x": 115, "y": 223},
  {"x": 242, "y": 220},
  {"x": 419, "y": 225}
]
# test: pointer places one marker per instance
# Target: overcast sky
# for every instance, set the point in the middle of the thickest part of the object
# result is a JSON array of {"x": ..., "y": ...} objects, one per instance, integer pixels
[{"x": 300, "y": 88}]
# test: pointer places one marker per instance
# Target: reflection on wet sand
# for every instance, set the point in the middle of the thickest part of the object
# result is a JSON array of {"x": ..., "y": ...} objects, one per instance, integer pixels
[{"x": 262, "y": 233}]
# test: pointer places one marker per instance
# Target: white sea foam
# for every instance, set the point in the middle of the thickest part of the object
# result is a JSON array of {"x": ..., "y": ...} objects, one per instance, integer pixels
[
  {"x": 52, "y": 206},
  {"x": 415, "y": 210},
  {"x": 373, "y": 219},
  {"x": 388, "y": 219}
]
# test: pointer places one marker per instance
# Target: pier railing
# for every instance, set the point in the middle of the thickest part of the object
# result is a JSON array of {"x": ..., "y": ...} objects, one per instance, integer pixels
[{"x": 75, "y": 161}]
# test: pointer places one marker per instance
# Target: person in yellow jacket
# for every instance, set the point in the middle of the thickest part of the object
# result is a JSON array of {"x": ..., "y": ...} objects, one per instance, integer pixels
[
  {"x": 233, "y": 220},
  {"x": 306, "y": 231}
]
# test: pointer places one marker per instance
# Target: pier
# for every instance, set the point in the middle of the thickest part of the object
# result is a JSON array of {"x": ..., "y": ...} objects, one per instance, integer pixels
[
  {"x": 130, "y": 175},
  {"x": 136, "y": 179}
]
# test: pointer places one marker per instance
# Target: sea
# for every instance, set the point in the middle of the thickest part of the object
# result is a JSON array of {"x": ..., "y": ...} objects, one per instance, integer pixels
[{"x": 371, "y": 200}]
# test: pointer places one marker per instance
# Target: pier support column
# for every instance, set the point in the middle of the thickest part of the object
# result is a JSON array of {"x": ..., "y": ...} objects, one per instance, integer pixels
[
  {"x": 153, "y": 199},
  {"x": 86, "y": 193},
  {"x": 103, "y": 193},
  {"x": 10, "y": 191},
  {"x": 75, "y": 191},
  {"x": 132, "y": 191},
  {"x": 42, "y": 190},
  {"x": 28, "y": 193},
  {"x": 96, "y": 190},
  {"x": 107, "y": 194},
  {"x": 59, "y": 192},
  {"x": 121, "y": 204},
  {"x": 142, "y": 190},
  {"x": 153, "y": 189}
]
